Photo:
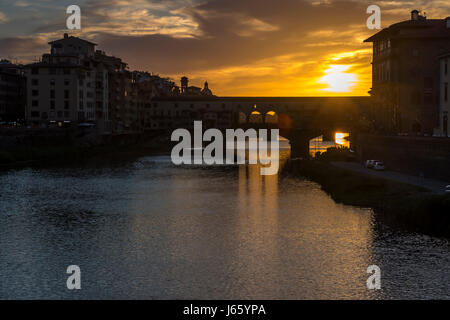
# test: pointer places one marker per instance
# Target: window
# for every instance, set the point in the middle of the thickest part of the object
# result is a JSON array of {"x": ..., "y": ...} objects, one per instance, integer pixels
[
  {"x": 35, "y": 114},
  {"x": 35, "y": 93},
  {"x": 446, "y": 67},
  {"x": 34, "y": 82},
  {"x": 52, "y": 82},
  {"x": 35, "y": 103},
  {"x": 52, "y": 104},
  {"x": 35, "y": 71},
  {"x": 66, "y": 94},
  {"x": 66, "y": 71},
  {"x": 66, "y": 82},
  {"x": 60, "y": 114},
  {"x": 52, "y": 94},
  {"x": 52, "y": 71},
  {"x": 66, "y": 114},
  {"x": 66, "y": 104}
]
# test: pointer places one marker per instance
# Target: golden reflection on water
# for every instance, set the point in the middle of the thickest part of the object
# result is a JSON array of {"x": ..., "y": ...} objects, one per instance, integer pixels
[
  {"x": 252, "y": 236},
  {"x": 154, "y": 231},
  {"x": 325, "y": 236}
]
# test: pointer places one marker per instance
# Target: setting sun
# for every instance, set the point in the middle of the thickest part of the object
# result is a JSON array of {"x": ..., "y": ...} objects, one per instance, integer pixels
[{"x": 337, "y": 79}]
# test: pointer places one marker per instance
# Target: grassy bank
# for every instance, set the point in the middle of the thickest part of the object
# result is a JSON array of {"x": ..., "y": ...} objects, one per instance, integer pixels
[{"x": 403, "y": 205}]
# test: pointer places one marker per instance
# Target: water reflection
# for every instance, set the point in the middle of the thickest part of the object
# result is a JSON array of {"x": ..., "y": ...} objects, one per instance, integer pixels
[{"x": 149, "y": 230}]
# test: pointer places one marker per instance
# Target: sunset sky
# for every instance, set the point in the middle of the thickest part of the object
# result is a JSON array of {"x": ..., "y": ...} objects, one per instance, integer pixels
[{"x": 242, "y": 47}]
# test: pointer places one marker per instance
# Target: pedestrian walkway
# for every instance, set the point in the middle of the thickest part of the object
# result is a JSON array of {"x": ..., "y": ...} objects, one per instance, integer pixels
[{"x": 431, "y": 184}]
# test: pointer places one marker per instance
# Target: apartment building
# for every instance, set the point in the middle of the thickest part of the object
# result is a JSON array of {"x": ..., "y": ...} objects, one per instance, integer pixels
[
  {"x": 444, "y": 107},
  {"x": 12, "y": 93},
  {"x": 68, "y": 86},
  {"x": 406, "y": 74}
]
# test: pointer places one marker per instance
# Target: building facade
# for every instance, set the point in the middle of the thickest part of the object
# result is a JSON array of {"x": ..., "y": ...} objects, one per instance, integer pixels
[
  {"x": 68, "y": 86},
  {"x": 444, "y": 106},
  {"x": 406, "y": 74},
  {"x": 12, "y": 94}
]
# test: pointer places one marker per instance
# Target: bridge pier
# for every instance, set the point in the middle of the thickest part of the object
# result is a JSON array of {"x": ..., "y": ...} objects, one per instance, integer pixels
[
  {"x": 299, "y": 140},
  {"x": 299, "y": 145}
]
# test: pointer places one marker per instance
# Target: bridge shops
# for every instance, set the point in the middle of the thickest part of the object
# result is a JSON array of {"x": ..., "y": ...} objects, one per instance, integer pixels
[{"x": 299, "y": 118}]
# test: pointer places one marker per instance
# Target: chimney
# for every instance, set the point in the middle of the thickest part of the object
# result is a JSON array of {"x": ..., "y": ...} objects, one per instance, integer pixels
[
  {"x": 414, "y": 15},
  {"x": 66, "y": 35}
]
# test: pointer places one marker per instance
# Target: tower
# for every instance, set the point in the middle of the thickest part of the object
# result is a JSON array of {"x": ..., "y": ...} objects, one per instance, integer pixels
[{"x": 184, "y": 84}]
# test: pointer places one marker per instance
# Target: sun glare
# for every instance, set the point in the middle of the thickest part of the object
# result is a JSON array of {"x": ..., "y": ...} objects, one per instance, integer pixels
[
  {"x": 342, "y": 139},
  {"x": 337, "y": 79}
]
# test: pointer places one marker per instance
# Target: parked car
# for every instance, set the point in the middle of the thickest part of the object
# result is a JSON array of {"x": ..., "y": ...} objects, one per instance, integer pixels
[
  {"x": 379, "y": 166},
  {"x": 447, "y": 189},
  {"x": 371, "y": 163}
]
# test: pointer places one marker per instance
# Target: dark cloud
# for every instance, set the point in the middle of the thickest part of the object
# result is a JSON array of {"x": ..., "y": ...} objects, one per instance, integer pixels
[
  {"x": 220, "y": 43},
  {"x": 23, "y": 49},
  {"x": 236, "y": 44}
]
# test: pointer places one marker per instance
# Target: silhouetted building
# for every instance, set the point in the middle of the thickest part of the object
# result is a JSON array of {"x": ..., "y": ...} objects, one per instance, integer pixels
[
  {"x": 184, "y": 85},
  {"x": 76, "y": 84},
  {"x": 206, "y": 91},
  {"x": 187, "y": 90},
  {"x": 406, "y": 74},
  {"x": 444, "y": 108},
  {"x": 68, "y": 86},
  {"x": 12, "y": 93}
]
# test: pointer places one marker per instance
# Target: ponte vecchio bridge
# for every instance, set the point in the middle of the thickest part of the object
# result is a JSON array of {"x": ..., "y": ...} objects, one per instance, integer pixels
[{"x": 299, "y": 118}]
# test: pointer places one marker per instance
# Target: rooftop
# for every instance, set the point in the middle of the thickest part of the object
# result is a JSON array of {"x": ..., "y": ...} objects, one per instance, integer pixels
[
  {"x": 66, "y": 36},
  {"x": 417, "y": 27}
]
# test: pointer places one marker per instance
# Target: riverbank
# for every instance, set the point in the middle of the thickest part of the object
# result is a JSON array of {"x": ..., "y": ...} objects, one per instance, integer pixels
[
  {"x": 399, "y": 204},
  {"x": 21, "y": 156}
]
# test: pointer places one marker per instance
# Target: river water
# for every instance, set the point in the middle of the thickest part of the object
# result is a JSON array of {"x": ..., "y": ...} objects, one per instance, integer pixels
[{"x": 145, "y": 229}]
